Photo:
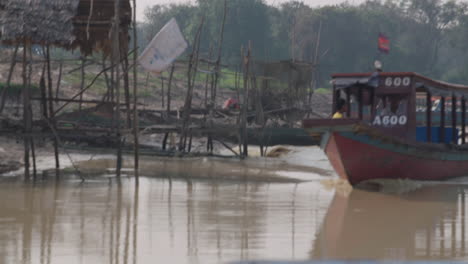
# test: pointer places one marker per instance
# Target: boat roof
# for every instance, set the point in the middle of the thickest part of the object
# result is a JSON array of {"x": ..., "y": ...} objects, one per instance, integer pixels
[{"x": 422, "y": 83}]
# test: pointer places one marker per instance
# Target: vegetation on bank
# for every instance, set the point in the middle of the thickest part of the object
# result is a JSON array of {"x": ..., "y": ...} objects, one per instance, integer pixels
[{"x": 425, "y": 36}]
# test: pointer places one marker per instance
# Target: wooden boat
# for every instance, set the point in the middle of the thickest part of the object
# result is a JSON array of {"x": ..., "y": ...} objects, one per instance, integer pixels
[{"x": 381, "y": 138}]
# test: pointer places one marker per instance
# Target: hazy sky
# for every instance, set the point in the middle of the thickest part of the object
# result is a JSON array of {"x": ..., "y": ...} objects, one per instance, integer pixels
[{"x": 142, "y": 4}]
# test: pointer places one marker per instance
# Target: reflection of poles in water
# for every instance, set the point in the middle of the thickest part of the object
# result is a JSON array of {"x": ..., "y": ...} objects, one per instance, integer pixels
[
  {"x": 442, "y": 237},
  {"x": 135, "y": 222},
  {"x": 82, "y": 224},
  {"x": 27, "y": 223},
  {"x": 422, "y": 233},
  {"x": 215, "y": 201},
  {"x": 245, "y": 224},
  {"x": 463, "y": 221},
  {"x": 169, "y": 209},
  {"x": 190, "y": 247},
  {"x": 127, "y": 234},
  {"x": 105, "y": 222},
  {"x": 52, "y": 222},
  {"x": 119, "y": 217},
  {"x": 428, "y": 242},
  {"x": 454, "y": 231},
  {"x": 293, "y": 222}
]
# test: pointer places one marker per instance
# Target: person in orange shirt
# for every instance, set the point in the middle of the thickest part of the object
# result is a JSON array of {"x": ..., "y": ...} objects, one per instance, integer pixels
[{"x": 341, "y": 108}]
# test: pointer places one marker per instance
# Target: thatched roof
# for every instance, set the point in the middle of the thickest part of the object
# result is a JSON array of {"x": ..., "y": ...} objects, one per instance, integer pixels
[{"x": 65, "y": 23}]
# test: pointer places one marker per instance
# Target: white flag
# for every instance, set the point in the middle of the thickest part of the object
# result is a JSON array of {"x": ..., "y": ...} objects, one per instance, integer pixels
[{"x": 165, "y": 47}]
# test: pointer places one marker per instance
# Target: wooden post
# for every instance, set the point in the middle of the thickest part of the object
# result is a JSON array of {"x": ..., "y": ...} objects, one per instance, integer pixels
[
  {"x": 168, "y": 113},
  {"x": 136, "y": 129},
  {"x": 214, "y": 84},
  {"x": 162, "y": 93},
  {"x": 116, "y": 60},
  {"x": 463, "y": 120},
  {"x": 51, "y": 109},
  {"x": 43, "y": 88},
  {"x": 442, "y": 120},
  {"x": 315, "y": 65},
  {"x": 454, "y": 119},
  {"x": 127, "y": 90},
  {"x": 169, "y": 85},
  {"x": 26, "y": 120},
  {"x": 33, "y": 154},
  {"x": 429, "y": 117},
  {"x": 10, "y": 74},
  {"x": 82, "y": 82},
  {"x": 245, "y": 106},
  {"x": 191, "y": 74},
  {"x": 59, "y": 80}
]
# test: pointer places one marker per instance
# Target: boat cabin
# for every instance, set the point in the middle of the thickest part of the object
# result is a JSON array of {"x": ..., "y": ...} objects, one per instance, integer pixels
[{"x": 405, "y": 104}]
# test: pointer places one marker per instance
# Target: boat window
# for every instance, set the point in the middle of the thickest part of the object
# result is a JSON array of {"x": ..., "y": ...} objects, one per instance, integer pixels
[
  {"x": 366, "y": 103},
  {"x": 391, "y": 110}
]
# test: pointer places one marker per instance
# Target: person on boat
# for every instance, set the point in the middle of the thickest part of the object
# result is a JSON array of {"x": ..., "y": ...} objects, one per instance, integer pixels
[{"x": 341, "y": 108}]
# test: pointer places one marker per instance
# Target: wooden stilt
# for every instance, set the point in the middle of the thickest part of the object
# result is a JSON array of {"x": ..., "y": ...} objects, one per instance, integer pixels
[
  {"x": 33, "y": 154},
  {"x": 136, "y": 129},
  {"x": 126, "y": 90},
  {"x": 51, "y": 109},
  {"x": 116, "y": 53},
  {"x": 82, "y": 82},
  {"x": 26, "y": 120},
  {"x": 10, "y": 74}
]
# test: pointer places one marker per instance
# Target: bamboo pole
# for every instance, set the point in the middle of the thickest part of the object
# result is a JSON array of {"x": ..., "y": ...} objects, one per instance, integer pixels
[
  {"x": 33, "y": 153},
  {"x": 127, "y": 91},
  {"x": 30, "y": 114},
  {"x": 116, "y": 58},
  {"x": 216, "y": 77},
  {"x": 162, "y": 93},
  {"x": 82, "y": 81},
  {"x": 51, "y": 110},
  {"x": 59, "y": 80},
  {"x": 86, "y": 88},
  {"x": 43, "y": 89},
  {"x": 191, "y": 74},
  {"x": 10, "y": 74},
  {"x": 135, "y": 97},
  {"x": 26, "y": 112},
  {"x": 315, "y": 66},
  {"x": 245, "y": 103},
  {"x": 168, "y": 113}
]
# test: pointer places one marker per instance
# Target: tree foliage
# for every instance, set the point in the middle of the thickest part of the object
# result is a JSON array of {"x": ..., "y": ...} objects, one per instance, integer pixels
[{"x": 427, "y": 36}]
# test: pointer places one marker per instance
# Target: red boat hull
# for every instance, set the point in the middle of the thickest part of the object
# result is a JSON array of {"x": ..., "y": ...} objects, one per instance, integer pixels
[{"x": 359, "y": 158}]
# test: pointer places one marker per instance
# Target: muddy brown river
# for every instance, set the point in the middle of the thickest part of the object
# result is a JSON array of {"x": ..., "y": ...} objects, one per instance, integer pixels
[{"x": 210, "y": 220}]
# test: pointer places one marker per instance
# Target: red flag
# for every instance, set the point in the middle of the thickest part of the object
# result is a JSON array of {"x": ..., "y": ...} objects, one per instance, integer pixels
[{"x": 384, "y": 43}]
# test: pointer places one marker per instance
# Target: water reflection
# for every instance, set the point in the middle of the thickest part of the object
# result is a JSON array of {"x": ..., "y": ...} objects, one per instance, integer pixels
[
  {"x": 425, "y": 224},
  {"x": 182, "y": 221}
]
